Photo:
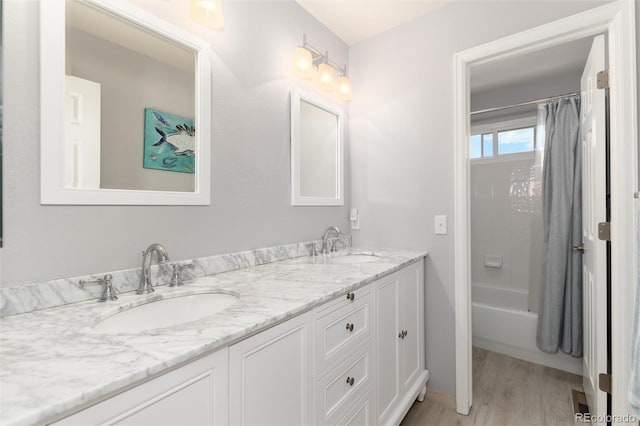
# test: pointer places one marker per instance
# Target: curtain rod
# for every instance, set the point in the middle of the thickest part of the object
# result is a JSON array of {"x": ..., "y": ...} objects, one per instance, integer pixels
[{"x": 537, "y": 101}]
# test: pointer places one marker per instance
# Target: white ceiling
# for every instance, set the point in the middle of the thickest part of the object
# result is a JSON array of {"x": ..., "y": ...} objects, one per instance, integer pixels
[
  {"x": 563, "y": 59},
  {"x": 356, "y": 20}
]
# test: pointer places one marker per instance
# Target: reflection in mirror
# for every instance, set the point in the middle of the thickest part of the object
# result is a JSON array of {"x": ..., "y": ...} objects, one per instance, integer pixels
[
  {"x": 316, "y": 151},
  {"x": 136, "y": 93},
  {"x": 116, "y": 70}
]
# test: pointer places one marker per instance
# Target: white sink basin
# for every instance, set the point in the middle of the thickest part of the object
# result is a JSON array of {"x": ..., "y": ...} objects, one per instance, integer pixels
[
  {"x": 166, "y": 313},
  {"x": 353, "y": 258}
]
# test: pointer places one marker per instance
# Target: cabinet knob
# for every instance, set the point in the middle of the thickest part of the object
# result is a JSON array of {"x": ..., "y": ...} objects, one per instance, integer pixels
[
  {"x": 350, "y": 381},
  {"x": 404, "y": 333},
  {"x": 351, "y": 296},
  {"x": 349, "y": 327},
  {"x": 401, "y": 334}
]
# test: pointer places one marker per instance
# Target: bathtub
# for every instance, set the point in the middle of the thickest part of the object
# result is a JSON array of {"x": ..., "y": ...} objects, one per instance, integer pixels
[{"x": 501, "y": 323}]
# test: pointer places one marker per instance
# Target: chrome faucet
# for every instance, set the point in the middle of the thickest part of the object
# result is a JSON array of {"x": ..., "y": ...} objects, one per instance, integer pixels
[
  {"x": 145, "y": 280},
  {"x": 325, "y": 237}
]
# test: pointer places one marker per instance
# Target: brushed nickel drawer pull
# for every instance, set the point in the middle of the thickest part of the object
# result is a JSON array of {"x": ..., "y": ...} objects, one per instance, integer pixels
[
  {"x": 351, "y": 296},
  {"x": 349, "y": 327},
  {"x": 350, "y": 381}
]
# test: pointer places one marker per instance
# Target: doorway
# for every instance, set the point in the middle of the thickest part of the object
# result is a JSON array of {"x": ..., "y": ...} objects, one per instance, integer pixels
[
  {"x": 531, "y": 123},
  {"x": 615, "y": 19}
]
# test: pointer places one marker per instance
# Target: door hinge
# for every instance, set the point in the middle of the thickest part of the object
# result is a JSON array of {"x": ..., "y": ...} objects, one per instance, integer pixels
[
  {"x": 603, "y": 79},
  {"x": 604, "y": 231},
  {"x": 604, "y": 382}
]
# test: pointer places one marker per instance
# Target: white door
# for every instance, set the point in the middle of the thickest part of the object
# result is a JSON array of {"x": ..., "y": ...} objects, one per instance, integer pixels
[
  {"x": 82, "y": 133},
  {"x": 271, "y": 374},
  {"x": 593, "y": 122},
  {"x": 411, "y": 281},
  {"x": 387, "y": 347}
]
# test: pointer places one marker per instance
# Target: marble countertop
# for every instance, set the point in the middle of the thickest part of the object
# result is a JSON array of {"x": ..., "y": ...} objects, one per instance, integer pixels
[{"x": 52, "y": 361}]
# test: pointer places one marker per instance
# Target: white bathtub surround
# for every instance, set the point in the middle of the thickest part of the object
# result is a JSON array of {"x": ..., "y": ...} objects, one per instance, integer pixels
[
  {"x": 501, "y": 323},
  {"x": 24, "y": 298},
  {"x": 54, "y": 362},
  {"x": 502, "y": 211}
]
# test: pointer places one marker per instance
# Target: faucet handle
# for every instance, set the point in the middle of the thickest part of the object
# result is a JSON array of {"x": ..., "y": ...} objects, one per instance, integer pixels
[
  {"x": 108, "y": 292},
  {"x": 311, "y": 249},
  {"x": 176, "y": 279}
]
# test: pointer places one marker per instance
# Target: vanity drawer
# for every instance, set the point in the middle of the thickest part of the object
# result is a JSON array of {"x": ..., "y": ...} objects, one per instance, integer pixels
[
  {"x": 348, "y": 299},
  {"x": 338, "y": 391},
  {"x": 362, "y": 412},
  {"x": 341, "y": 329}
]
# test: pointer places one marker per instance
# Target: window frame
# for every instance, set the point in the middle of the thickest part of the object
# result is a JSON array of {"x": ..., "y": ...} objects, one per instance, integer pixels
[{"x": 502, "y": 126}]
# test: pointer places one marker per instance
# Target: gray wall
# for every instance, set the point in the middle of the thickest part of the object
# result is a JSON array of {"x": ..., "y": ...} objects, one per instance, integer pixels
[
  {"x": 251, "y": 80},
  {"x": 129, "y": 83},
  {"x": 402, "y": 142}
]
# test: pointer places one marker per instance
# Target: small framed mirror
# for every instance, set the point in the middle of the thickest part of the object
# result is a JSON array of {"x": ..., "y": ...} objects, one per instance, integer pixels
[
  {"x": 125, "y": 107},
  {"x": 317, "y": 151}
]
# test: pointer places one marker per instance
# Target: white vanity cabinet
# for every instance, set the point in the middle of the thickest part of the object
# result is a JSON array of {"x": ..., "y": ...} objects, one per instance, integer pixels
[
  {"x": 399, "y": 343},
  {"x": 355, "y": 360},
  {"x": 271, "y": 375},
  {"x": 195, "y": 394}
]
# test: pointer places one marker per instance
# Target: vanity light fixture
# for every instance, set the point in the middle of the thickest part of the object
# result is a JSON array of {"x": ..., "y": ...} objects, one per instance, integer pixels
[
  {"x": 344, "y": 88},
  {"x": 307, "y": 57},
  {"x": 207, "y": 13},
  {"x": 303, "y": 63},
  {"x": 325, "y": 77}
]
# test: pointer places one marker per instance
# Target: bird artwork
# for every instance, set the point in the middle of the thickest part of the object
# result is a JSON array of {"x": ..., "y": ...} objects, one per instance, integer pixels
[{"x": 169, "y": 142}]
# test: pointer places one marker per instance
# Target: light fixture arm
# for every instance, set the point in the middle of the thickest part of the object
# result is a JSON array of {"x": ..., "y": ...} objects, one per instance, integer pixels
[{"x": 319, "y": 57}]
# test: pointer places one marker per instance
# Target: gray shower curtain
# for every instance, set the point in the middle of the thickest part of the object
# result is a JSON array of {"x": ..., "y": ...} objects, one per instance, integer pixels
[{"x": 560, "y": 314}]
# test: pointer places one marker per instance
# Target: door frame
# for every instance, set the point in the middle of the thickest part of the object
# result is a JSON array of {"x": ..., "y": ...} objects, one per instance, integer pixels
[{"x": 617, "y": 19}]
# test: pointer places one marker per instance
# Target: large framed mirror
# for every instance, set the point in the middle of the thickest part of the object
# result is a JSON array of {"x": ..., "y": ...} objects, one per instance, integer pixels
[
  {"x": 125, "y": 107},
  {"x": 317, "y": 151}
]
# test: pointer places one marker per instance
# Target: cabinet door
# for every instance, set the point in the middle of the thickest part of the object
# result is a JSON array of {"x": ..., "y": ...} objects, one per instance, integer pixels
[
  {"x": 195, "y": 394},
  {"x": 270, "y": 376},
  {"x": 387, "y": 346},
  {"x": 411, "y": 293}
]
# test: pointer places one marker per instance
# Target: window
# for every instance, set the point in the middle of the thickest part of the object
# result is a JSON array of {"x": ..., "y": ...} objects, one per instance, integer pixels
[
  {"x": 503, "y": 139},
  {"x": 514, "y": 141},
  {"x": 482, "y": 145}
]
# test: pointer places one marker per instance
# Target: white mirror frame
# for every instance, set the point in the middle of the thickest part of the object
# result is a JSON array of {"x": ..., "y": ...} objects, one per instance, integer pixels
[
  {"x": 52, "y": 129},
  {"x": 297, "y": 199}
]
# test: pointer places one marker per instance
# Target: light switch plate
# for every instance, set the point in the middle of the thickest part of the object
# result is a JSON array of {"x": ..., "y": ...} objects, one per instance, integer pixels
[
  {"x": 354, "y": 218},
  {"x": 441, "y": 225}
]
